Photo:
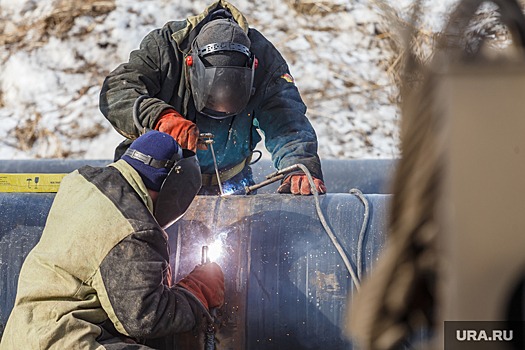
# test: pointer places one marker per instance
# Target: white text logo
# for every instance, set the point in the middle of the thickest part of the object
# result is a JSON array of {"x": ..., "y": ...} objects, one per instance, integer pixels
[{"x": 481, "y": 335}]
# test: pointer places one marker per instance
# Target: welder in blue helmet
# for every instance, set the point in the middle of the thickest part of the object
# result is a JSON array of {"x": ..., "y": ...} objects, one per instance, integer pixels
[
  {"x": 99, "y": 278},
  {"x": 212, "y": 73}
]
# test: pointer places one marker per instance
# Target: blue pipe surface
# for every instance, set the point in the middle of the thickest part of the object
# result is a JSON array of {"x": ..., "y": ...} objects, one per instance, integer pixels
[
  {"x": 286, "y": 285},
  {"x": 340, "y": 176}
]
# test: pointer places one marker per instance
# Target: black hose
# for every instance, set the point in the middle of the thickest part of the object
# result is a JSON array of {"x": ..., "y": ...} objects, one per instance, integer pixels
[
  {"x": 141, "y": 129},
  {"x": 209, "y": 334},
  {"x": 209, "y": 337},
  {"x": 258, "y": 158}
]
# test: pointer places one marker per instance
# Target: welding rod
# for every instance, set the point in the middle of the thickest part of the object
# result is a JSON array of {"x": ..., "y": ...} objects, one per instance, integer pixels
[
  {"x": 216, "y": 168},
  {"x": 207, "y": 138},
  {"x": 204, "y": 256}
]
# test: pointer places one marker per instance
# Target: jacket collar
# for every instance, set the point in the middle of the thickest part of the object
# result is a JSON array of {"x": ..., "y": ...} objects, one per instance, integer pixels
[
  {"x": 135, "y": 181},
  {"x": 185, "y": 36}
]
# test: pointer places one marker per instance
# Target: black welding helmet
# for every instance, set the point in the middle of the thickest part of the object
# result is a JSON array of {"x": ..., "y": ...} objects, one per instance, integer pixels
[
  {"x": 221, "y": 69},
  {"x": 178, "y": 189}
]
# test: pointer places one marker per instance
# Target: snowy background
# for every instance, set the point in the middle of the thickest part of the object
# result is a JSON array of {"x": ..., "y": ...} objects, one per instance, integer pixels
[{"x": 342, "y": 53}]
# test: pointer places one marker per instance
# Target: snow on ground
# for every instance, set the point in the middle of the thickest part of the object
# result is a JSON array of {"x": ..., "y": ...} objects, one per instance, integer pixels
[{"x": 56, "y": 54}]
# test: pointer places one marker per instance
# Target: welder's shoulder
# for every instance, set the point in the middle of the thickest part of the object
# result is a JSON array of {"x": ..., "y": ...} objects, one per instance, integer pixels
[
  {"x": 266, "y": 53},
  {"x": 102, "y": 178},
  {"x": 104, "y": 188},
  {"x": 165, "y": 33},
  {"x": 271, "y": 65},
  {"x": 174, "y": 26}
]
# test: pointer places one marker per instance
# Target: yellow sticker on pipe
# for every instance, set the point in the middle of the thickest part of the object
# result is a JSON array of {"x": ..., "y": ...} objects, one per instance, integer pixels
[{"x": 30, "y": 182}]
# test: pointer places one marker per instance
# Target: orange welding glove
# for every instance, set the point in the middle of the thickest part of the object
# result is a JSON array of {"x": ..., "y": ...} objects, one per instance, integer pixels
[
  {"x": 206, "y": 282},
  {"x": 184, "y": 131},
  {"x": 299, "y": 184}
]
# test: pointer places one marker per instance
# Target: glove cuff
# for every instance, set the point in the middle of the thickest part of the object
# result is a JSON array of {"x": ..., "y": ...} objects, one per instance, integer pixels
[
  {"x": 167, "y": 114},
  {"x": 192, "y": 288}
]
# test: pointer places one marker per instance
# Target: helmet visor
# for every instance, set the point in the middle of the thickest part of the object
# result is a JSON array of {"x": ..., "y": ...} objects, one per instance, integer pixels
[
  {"x": 178, "y": 190},
  {"x": 220, "y": 92}
]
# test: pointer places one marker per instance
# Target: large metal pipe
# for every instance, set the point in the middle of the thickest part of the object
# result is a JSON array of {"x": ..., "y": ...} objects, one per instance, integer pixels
[
  {"x": 286, "y": 285},
  {"x": 367, "y": 175}
]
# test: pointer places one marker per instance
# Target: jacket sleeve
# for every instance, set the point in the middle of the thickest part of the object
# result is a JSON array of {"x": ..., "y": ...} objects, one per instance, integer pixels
[
  {"x": 289, "y": 136},
  {"x": 143, "y": 74},
  {"x": 134, "y": 290}
]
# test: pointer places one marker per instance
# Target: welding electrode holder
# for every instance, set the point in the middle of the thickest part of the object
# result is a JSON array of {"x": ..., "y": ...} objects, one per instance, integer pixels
[
  {"x": 211, "y": 316},
  {"x": 209, "y": 333},
  {"x": 273, "y": 177},
  {"x": 207, "y": 139}
]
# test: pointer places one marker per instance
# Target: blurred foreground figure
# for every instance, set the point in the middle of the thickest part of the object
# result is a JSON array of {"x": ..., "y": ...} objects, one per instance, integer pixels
[
  {"x": 211, "y": 73},
  {"x": 433, "y": 245},
  {"x": 99, "y": 278}
]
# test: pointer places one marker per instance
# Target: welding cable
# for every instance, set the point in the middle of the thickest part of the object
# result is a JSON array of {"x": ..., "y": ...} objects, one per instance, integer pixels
[
  {"x": 331, "y": 235},
  {"x": 197, "y": 301},
  {"x": 209, "y": 339},
  {"x": 136, "y": 121},
  {"x": 258, "y": 158},
  {"x": 361, "y": 238}
]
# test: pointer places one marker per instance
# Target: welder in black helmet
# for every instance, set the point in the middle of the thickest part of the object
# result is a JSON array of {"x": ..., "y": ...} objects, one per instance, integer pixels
[
  {"x": 211, "y": 73},
  {"x": 99, "y": 278}
]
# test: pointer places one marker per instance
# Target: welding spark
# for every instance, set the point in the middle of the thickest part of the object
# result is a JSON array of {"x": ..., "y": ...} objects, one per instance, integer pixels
[
  {"x": 227, "y": 194},
  {"x": 216, "y": 248},
  {"x": 229, "y": 188}
]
